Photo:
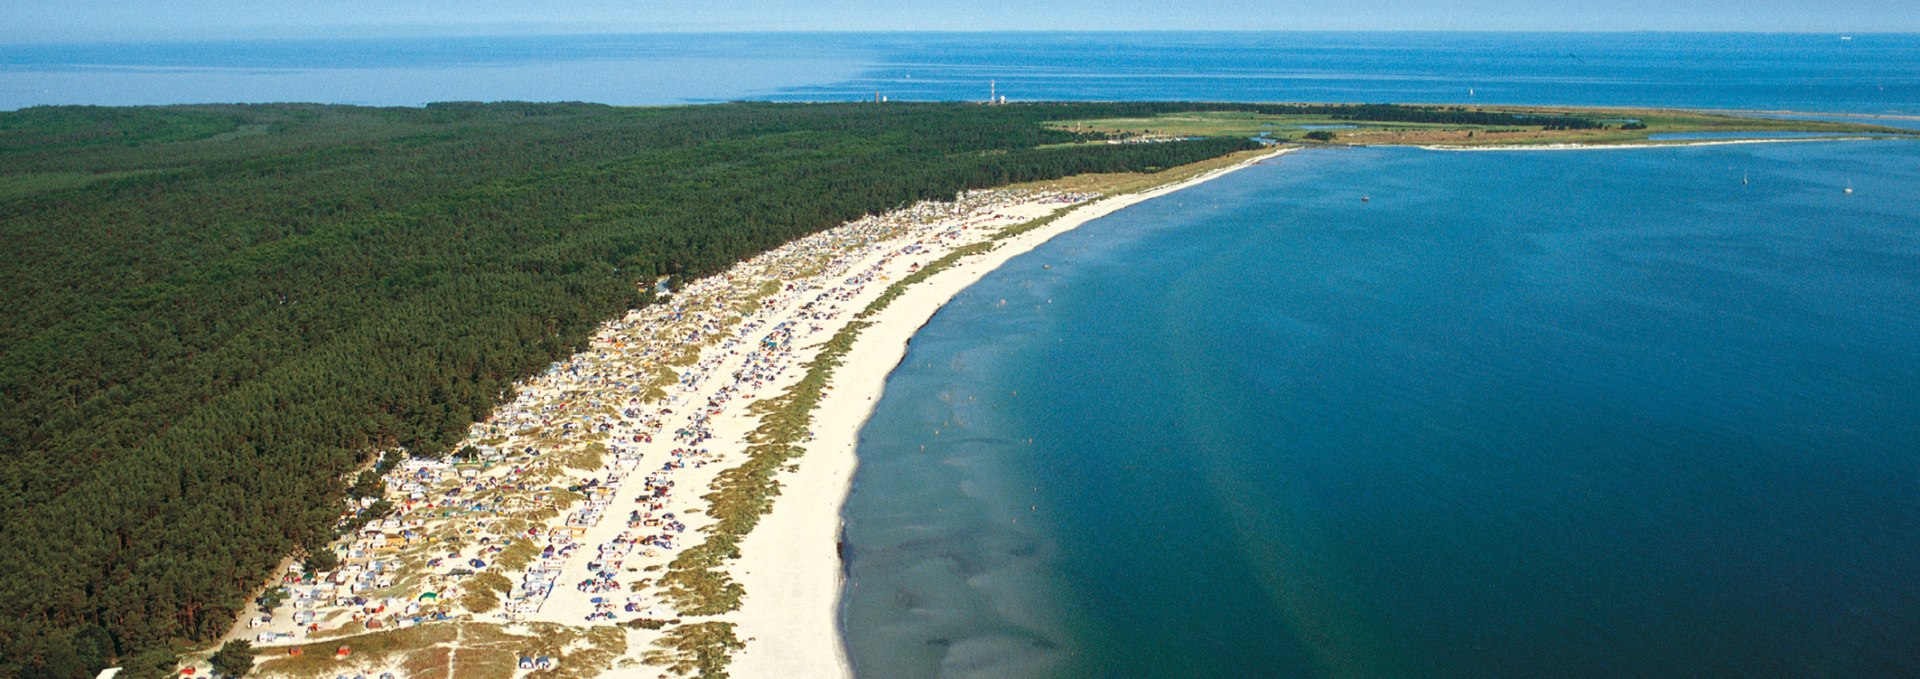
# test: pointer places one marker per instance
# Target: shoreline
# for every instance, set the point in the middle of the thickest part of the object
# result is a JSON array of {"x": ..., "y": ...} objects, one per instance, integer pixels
[
  {"x": 667, "y": 417},
  {"x": 791, "y": 565}
]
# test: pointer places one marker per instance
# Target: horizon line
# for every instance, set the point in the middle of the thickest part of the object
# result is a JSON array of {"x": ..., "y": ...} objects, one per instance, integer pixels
[{"x": 374, "y": 35}]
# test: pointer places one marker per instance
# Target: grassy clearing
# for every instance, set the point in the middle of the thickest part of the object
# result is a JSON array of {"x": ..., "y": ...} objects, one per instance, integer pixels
[
  {"x": 483, "y": 591},
  {"x": 317, "y": 659},
  {"x": 587, "y": 457},
  {"x": 517, "y": 556},
  {"x": 477, "y": 650}
]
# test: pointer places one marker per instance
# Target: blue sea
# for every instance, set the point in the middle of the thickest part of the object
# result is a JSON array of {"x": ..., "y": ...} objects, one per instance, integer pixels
[
  {"x": 1518, "y": 414},
  {"x": 1530, "y": 414},
  {"x": 1869, "y": 73}
]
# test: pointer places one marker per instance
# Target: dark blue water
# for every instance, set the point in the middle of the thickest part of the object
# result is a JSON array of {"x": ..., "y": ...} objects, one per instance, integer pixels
[
  {"x": 1877, "y": 73},
  {"x": 1568, "y": 414}
]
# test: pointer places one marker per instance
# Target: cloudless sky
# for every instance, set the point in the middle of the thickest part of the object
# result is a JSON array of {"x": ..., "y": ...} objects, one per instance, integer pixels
[{"x": 41, "y": 21}]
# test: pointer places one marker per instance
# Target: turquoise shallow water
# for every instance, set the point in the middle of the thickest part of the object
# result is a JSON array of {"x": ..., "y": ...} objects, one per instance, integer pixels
[{"x": 1521, "y": 414}]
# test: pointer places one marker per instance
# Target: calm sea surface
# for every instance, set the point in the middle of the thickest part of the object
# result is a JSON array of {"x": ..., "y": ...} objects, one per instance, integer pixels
[
  {"x": 1541, "y": 414},
  {"x": 1868, "y": 74}
]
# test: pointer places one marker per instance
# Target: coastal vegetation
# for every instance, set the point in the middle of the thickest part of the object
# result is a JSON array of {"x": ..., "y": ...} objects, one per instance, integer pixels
[
  {"x": 234, "y": 659},
  {"x": 698, "y": 649},
  {"x": 1450, "y": 125},
  {"x": 223, "y": 314},
  {"x": 451, "y": 651}
]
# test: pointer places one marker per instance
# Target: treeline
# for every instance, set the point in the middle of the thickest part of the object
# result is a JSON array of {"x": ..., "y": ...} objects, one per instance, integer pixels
[
  {"x": 1453, "y": 115},
  {"x": 216, "y": 312},
  {"x": 1443, "y": 115}
]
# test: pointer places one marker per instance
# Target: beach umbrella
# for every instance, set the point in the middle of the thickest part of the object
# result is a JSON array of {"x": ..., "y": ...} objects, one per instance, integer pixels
[{"x": 429, "y": 595}]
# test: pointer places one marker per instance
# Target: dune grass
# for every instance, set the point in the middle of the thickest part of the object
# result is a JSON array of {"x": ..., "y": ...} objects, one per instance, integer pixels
[
  {"x": 453, "y": 651},
  {"x": 700, "y": 649}
]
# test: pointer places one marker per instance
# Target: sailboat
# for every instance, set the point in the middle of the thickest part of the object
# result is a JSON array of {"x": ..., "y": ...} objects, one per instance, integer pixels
[
  {"x": 1744, "y": 180},
  {"x": 1849, "y": 186}
]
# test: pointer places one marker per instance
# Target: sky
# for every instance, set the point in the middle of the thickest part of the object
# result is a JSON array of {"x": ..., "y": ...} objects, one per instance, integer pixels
[{"x": 52, "y": 21}]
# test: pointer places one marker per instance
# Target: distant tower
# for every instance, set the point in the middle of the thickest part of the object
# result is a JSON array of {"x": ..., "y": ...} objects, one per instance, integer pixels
[{"x": 993, "y": 92}]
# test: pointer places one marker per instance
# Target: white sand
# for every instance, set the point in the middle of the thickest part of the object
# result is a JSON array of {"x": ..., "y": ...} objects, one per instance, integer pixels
[{"x": 790, "y": 564}]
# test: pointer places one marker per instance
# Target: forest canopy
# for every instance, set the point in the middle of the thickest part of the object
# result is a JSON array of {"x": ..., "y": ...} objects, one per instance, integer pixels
[{"x": 217, "y": 313}]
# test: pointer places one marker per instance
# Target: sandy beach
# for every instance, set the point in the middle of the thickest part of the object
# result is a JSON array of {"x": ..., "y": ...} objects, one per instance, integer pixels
[
  {"x": 558, "y": 537},
  {"x": 790, "y": 566}
]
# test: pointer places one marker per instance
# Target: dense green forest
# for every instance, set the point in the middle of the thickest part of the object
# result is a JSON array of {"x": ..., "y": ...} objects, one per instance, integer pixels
[{"x": 215, "y": 313}]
